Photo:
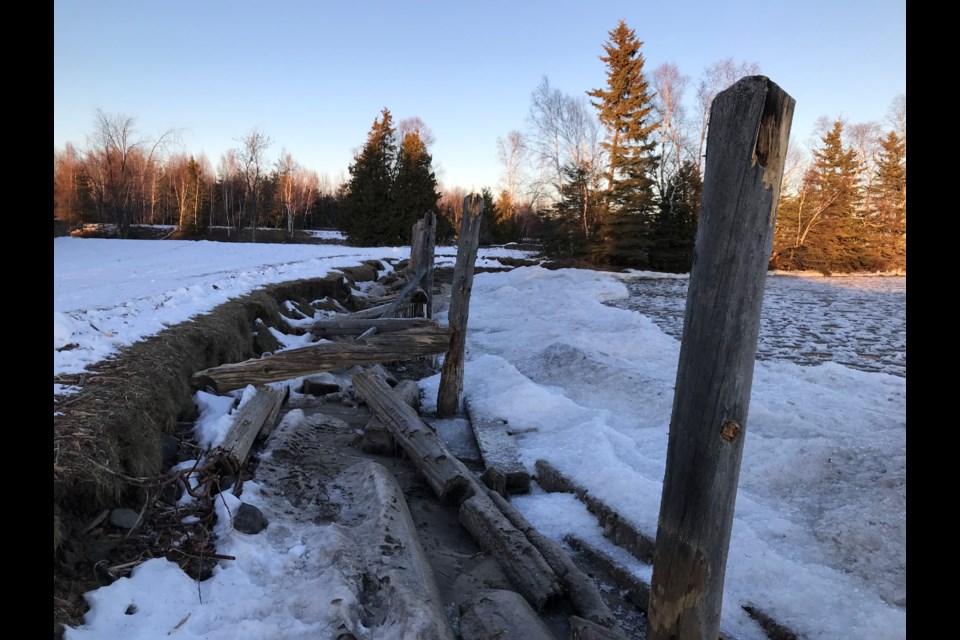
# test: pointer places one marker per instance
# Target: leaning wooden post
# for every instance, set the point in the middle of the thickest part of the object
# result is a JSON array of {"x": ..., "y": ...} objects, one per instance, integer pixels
[
  {"x": 451, "y": 377},
  {"x": 746, "y": 146},
  {"x": 427, "y": 259}
]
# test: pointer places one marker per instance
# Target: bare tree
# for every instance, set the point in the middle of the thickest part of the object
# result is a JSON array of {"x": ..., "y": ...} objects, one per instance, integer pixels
[
  {"x": 669, "y": 86},
  {"x": 252, "y": 157},
  {"x": 715, "y": 79},
  {"x": 864, "y": 139},
  {"x": 897, "y": 116},
  {"x": 415, "y": 125}
]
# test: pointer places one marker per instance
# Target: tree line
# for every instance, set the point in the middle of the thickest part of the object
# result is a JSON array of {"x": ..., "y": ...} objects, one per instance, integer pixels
[{"x": 609, "y": 177}]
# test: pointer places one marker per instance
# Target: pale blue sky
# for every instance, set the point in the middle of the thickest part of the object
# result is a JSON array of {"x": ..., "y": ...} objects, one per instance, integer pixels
[{"x": 314, "y": 75}]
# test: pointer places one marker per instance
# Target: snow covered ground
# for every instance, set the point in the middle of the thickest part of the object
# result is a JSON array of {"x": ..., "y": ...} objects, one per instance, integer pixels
[{"x": 819, "y": 533}]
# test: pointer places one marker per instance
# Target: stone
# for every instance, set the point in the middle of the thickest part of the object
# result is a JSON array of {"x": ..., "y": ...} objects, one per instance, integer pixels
[
  {"x": 124, "y": 518},
  {"x": 249, "y": 519}
]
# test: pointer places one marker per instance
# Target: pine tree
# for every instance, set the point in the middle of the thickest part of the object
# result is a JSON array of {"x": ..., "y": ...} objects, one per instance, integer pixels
[
  {"x": 368, "y": 204},
  {"x": 414, "y": 189},
  {"x": 625, "y": 110}
]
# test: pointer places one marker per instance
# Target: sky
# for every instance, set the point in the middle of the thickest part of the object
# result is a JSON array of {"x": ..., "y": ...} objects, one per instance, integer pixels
[
  {"x": 314, "y": 75},
  {"x": 819, "y": 532}
]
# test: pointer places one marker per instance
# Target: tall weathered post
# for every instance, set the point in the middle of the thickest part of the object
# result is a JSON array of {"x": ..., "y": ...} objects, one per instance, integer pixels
[
  {"x": 451, "y": 377},
  {"x": 746, "y": 147}
]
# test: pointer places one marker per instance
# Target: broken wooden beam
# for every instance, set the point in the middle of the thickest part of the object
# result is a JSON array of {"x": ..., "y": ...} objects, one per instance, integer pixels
[
  {"x": 274, "y": 416},
  {"x": 353, "y": 326},
  {"x": 250, "y": 419},
  {"x": 500, "y": 454},
  {"x": 498, "y": 613},
  {"x": 447, "y": 476},
  {"x": 376, "y": 438},
  {"x": 389, "y": 347},
  {"x": 517, "y": 557}
]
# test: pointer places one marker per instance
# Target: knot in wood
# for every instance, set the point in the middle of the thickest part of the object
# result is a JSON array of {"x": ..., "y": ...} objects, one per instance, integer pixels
[{"x": 729, "y": 430}]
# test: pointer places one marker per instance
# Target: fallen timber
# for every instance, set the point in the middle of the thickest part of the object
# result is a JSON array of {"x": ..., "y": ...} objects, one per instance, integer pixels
[
  {"x": 387, "y": 347},
  {"x": 539, "y": 568}
]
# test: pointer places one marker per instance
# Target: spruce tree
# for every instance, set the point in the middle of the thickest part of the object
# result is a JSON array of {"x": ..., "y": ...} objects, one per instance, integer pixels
[
  {"x": 890, "y": 184},
  {"x": 368, "y": 205},
  {"x": 834, "y": 239},
  {"x": 414, "y": 188},
  {"x": 626, "y": 111}
]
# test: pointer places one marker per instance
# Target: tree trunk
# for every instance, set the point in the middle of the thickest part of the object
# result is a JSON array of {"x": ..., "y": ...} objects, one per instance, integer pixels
[
  {"x": 451, "y": 377},
  {"x": 749, "y": 128},
  {"x": 252, "y": 417},
  {"x": 389, "y": 347},
  {"x": 353, "y": 326}
]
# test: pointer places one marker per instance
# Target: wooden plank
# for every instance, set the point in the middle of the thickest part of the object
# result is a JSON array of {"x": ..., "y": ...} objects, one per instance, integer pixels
[
  {"x": 500, "y": 453},
  {"x": 519, "y": 560},
  {"x": 388, "y": 347},
  {"x": 450, "y": 480},
  {"x": 493, "y": 614},
  {"x": 271, "y": 422},
  {"x": 236, "y": 445},
  {"x": 451, "y": 376},
  {"x": 746, "y": 148}
]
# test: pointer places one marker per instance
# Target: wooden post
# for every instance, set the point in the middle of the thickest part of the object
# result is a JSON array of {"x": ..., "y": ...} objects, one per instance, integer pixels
[
  {"x": 422, "y": 247},
  {"x": 451, "y": 377},
  {"x": 746, "y": 147}
]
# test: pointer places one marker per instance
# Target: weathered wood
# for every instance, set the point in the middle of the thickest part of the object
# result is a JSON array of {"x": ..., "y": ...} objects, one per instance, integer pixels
[
  {"x": 353, "y": 326},
  {"x": 579, "y": 588},
  {"x": 581, "y": 629},
  {"x": 422, "y": 246},
  {"x": 451, "y": 377},
  {"x": 372, "y": 331},
  {"x": 389, "y": 347},
  {"x": 236, "y": 445},
  {"x": 632, "y": 588},
  {"x": 500, "y": 453},
  {"x": 409, "y": 392},
  {"x": 274, "y": 417},
  {"x": 495, "y": 614},
  {"x": 746, "y": 147},
  {"x": 414, "y": 282},
  {"x": 615, "y": 527},
  {"x": 517, "y": 557},
  {"x": 447, "y": 476}
]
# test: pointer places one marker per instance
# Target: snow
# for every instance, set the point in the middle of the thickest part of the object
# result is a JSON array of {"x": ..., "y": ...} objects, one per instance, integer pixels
[{"x": 583, "y": 365}]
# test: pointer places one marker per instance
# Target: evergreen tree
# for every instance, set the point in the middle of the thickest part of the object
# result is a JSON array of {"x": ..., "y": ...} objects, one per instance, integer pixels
[
  {"x": 676, "y": 226},
  {"x": 414, "y": 189},
  {"x": 368, "y": 203},
  {"x": 625, "y": 110},
  {"x": 890, "y": 184}
]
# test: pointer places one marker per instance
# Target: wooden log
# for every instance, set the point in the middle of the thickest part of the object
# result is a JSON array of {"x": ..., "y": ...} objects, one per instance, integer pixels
[
  {"x": 314, "y": 388},
  {"x": 447, "y": 476},
  {"x": 427, "y": 260},
  {"x": 519, "y": 560},
  {"x": 492, "y": 614},
  {"x": 376, "y": 438},
  {"x": 236, "y": 445},
  {"x": 451, "y": 377},
  {"x": 500, "y": 453},
  {"x": 580, "y": 588},
  {"x": 352, "y": 326},
  {"x": 746, "y": 148},
  {"x": 581, "y": 629},
  {"x": 389, "y": 347}
]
